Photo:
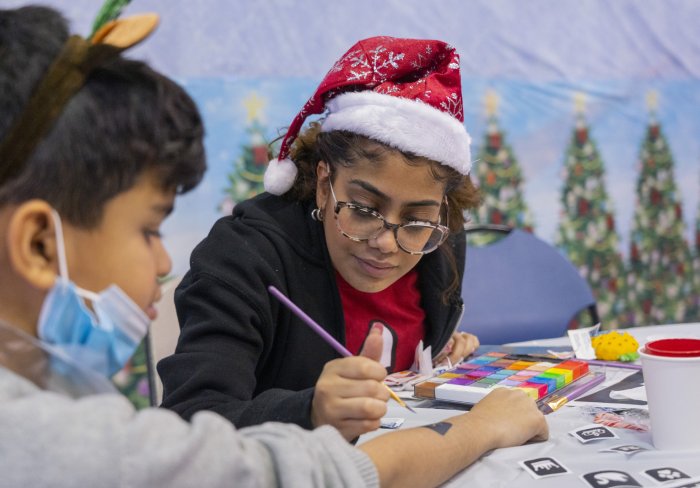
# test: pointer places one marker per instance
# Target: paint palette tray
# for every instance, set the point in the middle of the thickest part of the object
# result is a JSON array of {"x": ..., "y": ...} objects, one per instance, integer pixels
[{"x": 471, "y": 380}]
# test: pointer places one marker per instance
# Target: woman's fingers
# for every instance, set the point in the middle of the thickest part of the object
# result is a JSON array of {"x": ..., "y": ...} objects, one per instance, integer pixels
[
  {"x": 350, "y": 395},
  {"x": 464, "y": 345}
]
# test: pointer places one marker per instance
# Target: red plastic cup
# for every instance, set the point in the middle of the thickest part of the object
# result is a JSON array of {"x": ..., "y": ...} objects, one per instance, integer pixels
[{"x": 676, "y": 347}]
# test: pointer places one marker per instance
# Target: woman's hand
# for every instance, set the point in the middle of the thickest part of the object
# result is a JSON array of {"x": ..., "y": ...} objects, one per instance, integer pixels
[
  {"x": 350, "y": 393},
  {"x": 460, "y": 345},
  {"x": 509, "y": 418}
]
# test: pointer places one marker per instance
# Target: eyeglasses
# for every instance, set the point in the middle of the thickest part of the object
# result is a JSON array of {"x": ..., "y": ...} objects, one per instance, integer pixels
[{"x": 359, "y": 223}]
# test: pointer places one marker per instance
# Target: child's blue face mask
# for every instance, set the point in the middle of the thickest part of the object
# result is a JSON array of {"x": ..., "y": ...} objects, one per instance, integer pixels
[{"x": 103, "y": 339}]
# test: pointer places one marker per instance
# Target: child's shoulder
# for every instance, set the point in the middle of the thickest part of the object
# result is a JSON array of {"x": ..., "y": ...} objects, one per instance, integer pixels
[{"x": 13, "y": 386}]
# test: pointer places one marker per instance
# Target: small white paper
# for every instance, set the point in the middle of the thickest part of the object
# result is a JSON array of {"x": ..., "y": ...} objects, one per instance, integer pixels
[
  {"x": 561, "y": 354},
  {"x": 627, "y": 449},
  {"x": 423, "y": 361},
  {"x": 581, "y": 341},
  {"x": 639, "y": 393},
  {"x": 391, "y": 422}
]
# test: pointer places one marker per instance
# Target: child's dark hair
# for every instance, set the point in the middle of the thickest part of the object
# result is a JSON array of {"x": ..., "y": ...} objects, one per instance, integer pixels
[{"x": 125, "y": 121}]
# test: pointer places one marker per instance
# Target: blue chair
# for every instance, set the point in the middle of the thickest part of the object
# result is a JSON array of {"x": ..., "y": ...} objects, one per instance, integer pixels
[{"x": 520, "y": 288}]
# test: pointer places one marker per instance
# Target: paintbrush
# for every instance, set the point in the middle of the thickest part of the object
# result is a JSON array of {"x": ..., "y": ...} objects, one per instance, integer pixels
[
  {"x": 571, "y": 392},
  {"x": 324, "y": 335}
]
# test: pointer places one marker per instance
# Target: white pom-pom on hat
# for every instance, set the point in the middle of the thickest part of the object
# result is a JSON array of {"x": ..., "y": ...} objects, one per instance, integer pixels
[{"x": 279, "y": 176}]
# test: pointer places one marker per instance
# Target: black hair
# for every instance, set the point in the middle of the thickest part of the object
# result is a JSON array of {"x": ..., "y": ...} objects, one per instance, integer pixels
[{"x": 125, "y": 121}]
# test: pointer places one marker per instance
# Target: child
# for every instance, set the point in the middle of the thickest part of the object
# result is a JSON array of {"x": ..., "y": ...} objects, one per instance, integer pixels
[
  {"x": 80, "y": 209},
  {"x": 362, "y": 227}
]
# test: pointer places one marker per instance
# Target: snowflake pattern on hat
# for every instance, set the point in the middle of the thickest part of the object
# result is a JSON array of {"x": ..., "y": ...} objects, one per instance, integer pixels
[{"x": 405, "y": 93}]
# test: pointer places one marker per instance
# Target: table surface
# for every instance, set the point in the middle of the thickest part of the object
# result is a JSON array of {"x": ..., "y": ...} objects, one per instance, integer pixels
[
  {"x": 642, "y": 334},
  {"x": 500, "y": 468}
]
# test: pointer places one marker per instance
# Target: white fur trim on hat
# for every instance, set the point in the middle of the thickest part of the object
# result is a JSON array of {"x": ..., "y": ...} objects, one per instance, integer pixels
[
  {"x": 279, "y": 176},
  {"x": 407, "y": 125}
]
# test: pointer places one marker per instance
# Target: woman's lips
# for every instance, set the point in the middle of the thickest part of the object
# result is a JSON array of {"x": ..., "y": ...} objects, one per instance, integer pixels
[{"x": 374, "y": 268}]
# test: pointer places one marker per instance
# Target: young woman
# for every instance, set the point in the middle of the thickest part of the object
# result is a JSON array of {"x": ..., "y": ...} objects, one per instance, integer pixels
[{"x": 361, "y": 227}]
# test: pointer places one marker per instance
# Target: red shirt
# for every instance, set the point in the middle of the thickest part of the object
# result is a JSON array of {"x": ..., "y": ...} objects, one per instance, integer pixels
[{"x": 397, "y": 308}]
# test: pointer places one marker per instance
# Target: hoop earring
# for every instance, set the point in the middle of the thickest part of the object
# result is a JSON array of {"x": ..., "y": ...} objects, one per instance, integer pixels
[{"x": 317, "y": 215}]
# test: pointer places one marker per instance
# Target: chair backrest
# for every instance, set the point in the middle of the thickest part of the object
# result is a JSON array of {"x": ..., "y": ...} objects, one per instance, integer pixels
[
  {"x": 162, "y": 337},
  {"x": 520, "y": 288}
]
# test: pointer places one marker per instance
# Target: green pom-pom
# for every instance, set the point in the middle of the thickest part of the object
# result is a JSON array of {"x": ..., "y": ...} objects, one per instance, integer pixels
[{"x": 629, "y": 357}]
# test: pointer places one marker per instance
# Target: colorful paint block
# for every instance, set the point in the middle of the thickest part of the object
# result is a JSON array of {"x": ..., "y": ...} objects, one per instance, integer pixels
[{"x": 471, "y": 380}]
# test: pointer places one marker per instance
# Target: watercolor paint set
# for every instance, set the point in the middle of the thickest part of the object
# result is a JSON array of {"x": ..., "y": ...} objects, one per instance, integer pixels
[{"x": 471, "y": 380}]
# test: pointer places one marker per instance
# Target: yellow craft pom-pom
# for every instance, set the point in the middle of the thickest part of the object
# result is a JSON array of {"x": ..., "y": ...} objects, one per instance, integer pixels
[{"x": 609, "y": 346}]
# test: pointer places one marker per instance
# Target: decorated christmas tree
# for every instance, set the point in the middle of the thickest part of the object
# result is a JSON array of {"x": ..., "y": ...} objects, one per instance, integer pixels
[
  {"x": 132, "y": 380},
  {"x": 586, "y": 231},
  {"x": 660, "y": 280},
  {"x": 694, "y": 314},
  {"x": 697, "y": 233},
  {"x": 246, "y": 179},
  {"x": 499, "y": 178}
]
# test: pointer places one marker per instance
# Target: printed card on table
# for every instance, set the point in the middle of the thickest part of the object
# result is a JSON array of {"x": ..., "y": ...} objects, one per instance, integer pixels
[
  {"x": 610, "y": 478},
  {"x": 543, "y": 467},
  {"x": 626, "y": 449},
  {"x": 593, "y": 432},
  {"x": 665, "y": 474}
]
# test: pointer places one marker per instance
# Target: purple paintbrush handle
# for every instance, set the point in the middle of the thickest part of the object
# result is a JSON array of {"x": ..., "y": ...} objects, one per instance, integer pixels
[
  {"x": 613, "y": 364},
  {"x": 583, "y": 388}
]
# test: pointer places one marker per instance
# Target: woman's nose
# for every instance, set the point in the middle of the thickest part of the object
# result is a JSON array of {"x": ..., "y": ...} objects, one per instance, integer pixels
[{"x": 385, "y": 241}]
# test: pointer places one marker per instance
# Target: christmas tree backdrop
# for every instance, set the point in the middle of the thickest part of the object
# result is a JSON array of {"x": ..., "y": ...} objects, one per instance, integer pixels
[
  {"x": 246, "y": 179},
  {"x": 133, "y": 381},
  {"x": 660, "y": 281},
  {"x": 694, "y": 314},
  {"x": 499, "y": 178},
  {"x": 586, "y": 230}
]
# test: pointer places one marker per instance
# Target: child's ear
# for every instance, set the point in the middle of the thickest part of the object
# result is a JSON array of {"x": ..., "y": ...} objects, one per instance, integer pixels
[
  {"x": 322, "y": 190},
  {"x": 31, "y": 244}
]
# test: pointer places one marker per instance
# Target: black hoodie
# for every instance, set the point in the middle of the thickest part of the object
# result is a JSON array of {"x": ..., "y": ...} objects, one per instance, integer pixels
[{"x": 240, "y": 352}]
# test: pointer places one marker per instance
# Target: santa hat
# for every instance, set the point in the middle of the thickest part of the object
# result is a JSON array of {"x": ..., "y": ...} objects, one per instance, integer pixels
[{"x": 405, "y": 93}]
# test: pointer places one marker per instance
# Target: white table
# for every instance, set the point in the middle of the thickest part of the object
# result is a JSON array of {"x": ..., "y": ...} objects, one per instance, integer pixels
[
  {"x": 500, "y": 468},
  {"x": 642, "y": 334}
]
